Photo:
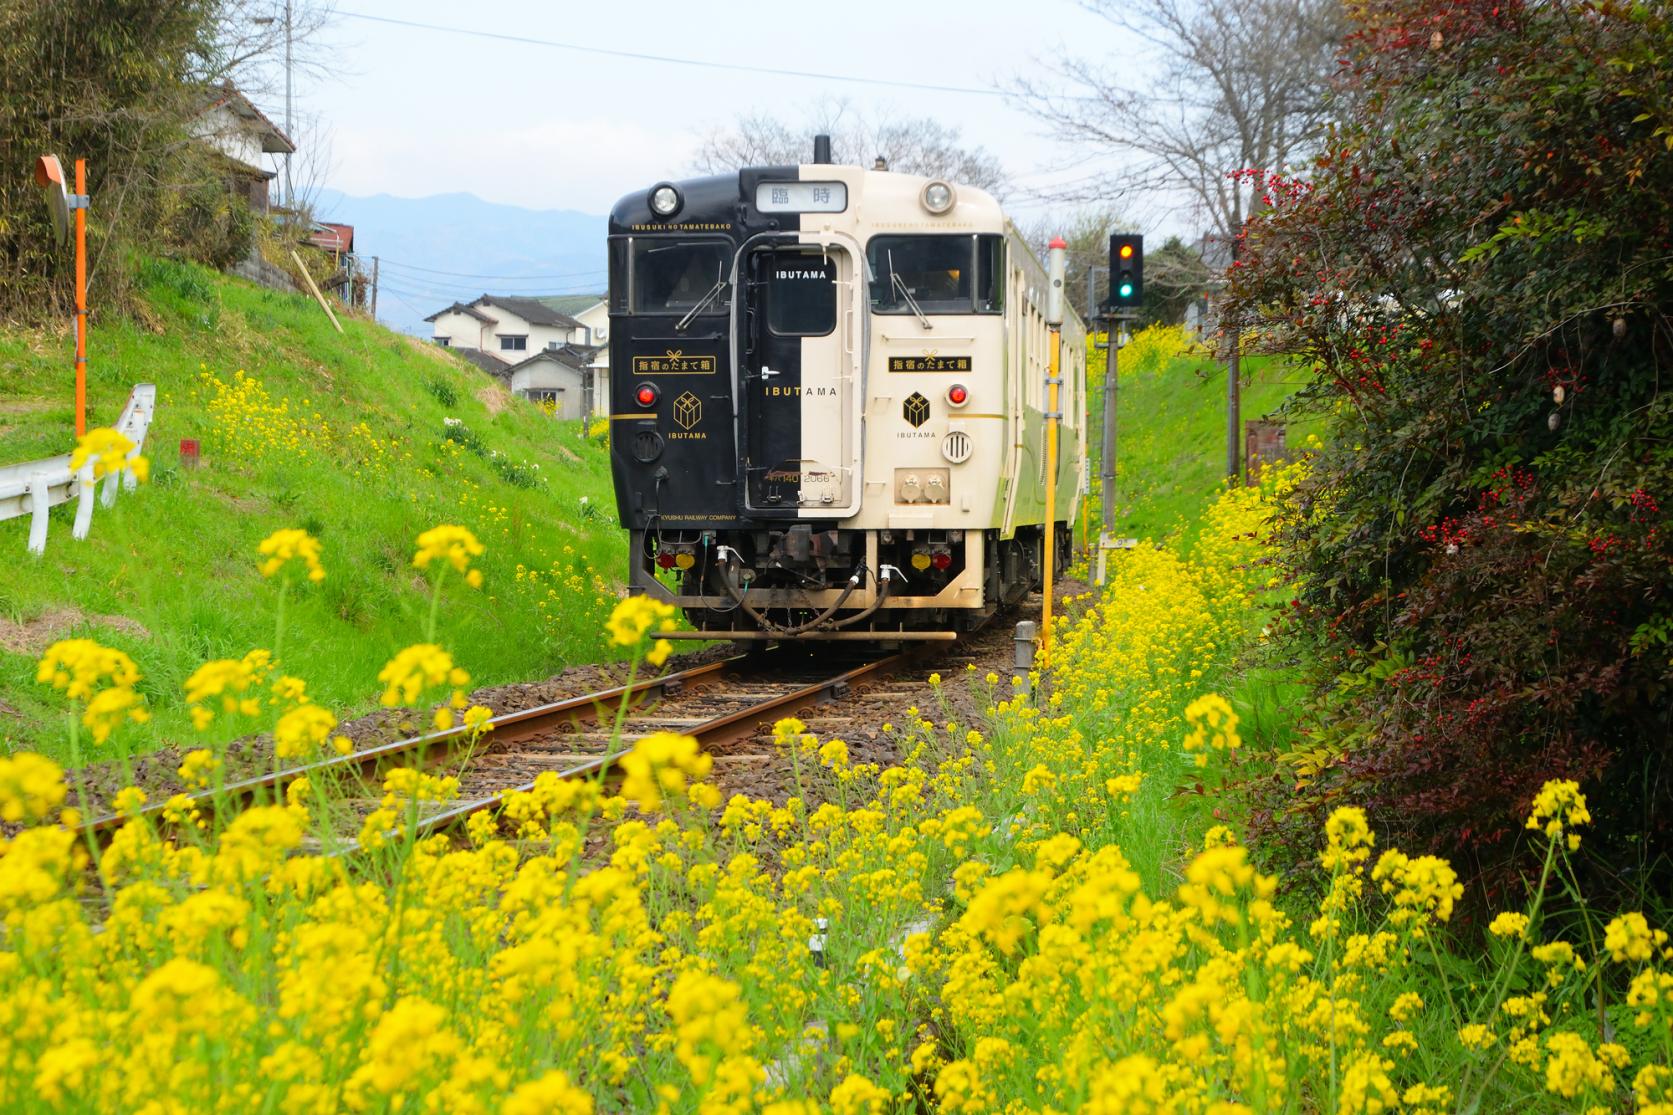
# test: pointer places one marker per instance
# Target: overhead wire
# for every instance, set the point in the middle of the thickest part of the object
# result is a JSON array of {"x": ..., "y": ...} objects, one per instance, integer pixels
[
  {"x": 472, "y": 275},
  {"x": 579, "y": 48}
]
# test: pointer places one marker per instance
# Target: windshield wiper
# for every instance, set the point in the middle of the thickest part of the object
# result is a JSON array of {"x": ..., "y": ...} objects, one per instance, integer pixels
[
  {"x": 702, "y": 304},
  {"x": 899, "y": 287}
]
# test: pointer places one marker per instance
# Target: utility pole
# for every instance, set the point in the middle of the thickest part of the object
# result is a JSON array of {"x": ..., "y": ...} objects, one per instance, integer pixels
[
  {"x": 1234, "y": 401},
  {"x": 290, "y": 195},
  {"x": 374, "y": 288}
]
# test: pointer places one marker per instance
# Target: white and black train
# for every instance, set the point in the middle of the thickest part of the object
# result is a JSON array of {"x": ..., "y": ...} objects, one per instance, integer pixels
[{"x": 827, "y": 395}]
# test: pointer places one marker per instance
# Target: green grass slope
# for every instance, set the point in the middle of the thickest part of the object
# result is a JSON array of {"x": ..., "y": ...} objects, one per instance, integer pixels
[
  {"x": 365, "y": 439},
  {"x": 1171, "y": 433}
]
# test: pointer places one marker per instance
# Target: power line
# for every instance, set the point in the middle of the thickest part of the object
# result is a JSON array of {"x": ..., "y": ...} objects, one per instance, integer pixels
[
  {"x": 526, "y": 40},
  {"x": 469, "y": 275}
]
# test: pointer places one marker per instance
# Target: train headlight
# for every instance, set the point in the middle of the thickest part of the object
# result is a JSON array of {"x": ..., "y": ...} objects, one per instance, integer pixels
[
  {"x": 665, "y": 200},
  {"x": 957, "y": 395},
  {"x": 646, "y": 394},
  {"x": 938, "y": 197}
]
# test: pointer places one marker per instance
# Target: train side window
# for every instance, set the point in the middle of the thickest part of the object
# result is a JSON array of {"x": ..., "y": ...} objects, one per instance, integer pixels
[
  {"x": 801, "y": 294},
  {"x": 619, "y": 249},
  {"x": 676, "y": 276},
  {"x": 990, "y": 274}
]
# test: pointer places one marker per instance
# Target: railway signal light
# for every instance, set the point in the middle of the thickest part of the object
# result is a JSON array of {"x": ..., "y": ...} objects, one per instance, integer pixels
[{"x": 1126, "y": 271}]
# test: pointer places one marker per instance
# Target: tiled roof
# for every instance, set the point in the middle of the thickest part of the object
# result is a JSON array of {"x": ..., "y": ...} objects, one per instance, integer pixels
[
  {"x": 461, "y": 308},
  {"x": 532, "y": 310},
  {"x": 332, "y": 237},
  {"x": 487, "y": 361},
  {"x": 571, "y": 304},
  {"x": 570, "y": 356},
  {"x": 273, "y": 141}
]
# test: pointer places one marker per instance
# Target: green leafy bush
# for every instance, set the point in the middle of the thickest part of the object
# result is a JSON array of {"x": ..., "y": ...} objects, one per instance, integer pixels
[{"x": 1478, "y": 272}]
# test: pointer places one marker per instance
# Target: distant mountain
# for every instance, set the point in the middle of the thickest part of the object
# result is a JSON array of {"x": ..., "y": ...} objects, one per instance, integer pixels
[{"x": 436, "y": 250}]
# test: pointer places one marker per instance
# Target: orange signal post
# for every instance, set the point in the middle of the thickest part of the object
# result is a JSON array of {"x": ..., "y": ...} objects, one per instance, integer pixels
[{"x": 81, "y": 297}]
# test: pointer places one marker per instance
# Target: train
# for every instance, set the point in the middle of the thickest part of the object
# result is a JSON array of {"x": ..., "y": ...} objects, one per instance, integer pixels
[{"x": 827, "y": 403}]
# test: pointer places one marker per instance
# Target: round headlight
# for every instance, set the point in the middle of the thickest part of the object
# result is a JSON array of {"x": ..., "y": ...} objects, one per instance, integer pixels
[
  {"x": 938, "y": 197},
  {"x": 665, "y": 201}
]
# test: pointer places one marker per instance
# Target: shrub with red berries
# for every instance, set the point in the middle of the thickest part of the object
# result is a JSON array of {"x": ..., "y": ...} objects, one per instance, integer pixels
[{"x": 1479, "y": 271}]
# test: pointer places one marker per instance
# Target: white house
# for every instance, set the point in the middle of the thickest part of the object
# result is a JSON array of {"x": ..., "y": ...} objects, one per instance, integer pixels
[
  {"x": 241, "y": 133},
  {"x": 503, "y": 334},
  {"x": 556, "y": 378}
]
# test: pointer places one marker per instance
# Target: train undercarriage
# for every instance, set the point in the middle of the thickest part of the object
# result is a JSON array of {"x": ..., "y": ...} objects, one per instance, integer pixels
[{"x": 807, "y": 581}]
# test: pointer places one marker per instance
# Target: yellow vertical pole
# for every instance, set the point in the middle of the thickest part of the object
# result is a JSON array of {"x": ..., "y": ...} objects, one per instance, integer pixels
[
  {"x": 81, "y": 298},
  {"x": 1054, "y": 416}
]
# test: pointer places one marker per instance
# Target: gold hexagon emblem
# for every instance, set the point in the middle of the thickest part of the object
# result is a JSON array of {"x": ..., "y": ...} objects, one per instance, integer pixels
[
  {"x": 916, "y": 410},
  {"x": 688, "y": 410}
]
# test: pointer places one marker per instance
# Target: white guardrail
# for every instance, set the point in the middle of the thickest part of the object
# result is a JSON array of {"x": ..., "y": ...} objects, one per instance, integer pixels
[{"x": 34, "y": 487}]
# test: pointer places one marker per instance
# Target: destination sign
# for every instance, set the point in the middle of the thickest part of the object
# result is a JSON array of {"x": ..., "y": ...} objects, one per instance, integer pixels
[
  {"x": 673, "y": 363},
  {"x": 801, "y": 197},
  {"x": 929, "y": 363}
]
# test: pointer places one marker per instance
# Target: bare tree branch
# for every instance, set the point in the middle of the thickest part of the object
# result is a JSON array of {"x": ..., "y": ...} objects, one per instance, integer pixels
[
  {"x": 1238, "y": 84},
  {"x": 910, "y": 145}
]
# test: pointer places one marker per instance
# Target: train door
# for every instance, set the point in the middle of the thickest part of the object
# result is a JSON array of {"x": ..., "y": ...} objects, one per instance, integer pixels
[{"x": 798, "y": 381}]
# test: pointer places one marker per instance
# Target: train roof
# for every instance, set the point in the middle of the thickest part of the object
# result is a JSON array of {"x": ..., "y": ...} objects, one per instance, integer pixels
[{"x": 876, "y": 199}]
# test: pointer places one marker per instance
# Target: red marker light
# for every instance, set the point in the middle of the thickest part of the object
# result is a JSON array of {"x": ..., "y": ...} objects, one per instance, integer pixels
[
  {"x": 941, "y": 560},
  {"x": 1126, "y": 251},
  {"x": 958, "y": 395},
  {"x": 646, "y": 395},
  {"x": 665, "y": 559}
]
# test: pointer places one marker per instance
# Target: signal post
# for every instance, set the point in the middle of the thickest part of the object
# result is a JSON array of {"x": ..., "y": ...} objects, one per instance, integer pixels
[
  {"x": 1054, "y": 417},
  {"x": 1126, "y": 296}
]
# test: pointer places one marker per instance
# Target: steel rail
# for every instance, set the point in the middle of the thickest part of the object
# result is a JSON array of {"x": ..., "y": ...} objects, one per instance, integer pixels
[
  {"x": 729, "y": 725},
  {"x": 510, "y": 727}
]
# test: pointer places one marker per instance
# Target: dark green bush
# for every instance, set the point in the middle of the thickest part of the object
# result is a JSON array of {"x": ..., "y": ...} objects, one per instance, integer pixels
[{"x": 1480, "y": 271}]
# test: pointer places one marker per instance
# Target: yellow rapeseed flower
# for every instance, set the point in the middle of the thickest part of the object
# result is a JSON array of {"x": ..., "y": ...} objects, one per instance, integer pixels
[
  {"x": 1557, "y": 808},
  {"x": 454, "y": 545},
  {"x": 31, "y": 787},
  {"x": 284, "y": 546},
  {"x": 301, "y": 731},
  {"x": 109, "y": 451},
  {"x": 415, "y": 671}
]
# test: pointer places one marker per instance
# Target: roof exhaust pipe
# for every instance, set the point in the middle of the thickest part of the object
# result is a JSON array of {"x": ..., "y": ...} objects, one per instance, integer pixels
[{"x": 821, "y": 148}]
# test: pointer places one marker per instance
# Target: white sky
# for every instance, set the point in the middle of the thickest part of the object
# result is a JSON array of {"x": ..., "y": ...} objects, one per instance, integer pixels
[{"x": 416, "y": 112}]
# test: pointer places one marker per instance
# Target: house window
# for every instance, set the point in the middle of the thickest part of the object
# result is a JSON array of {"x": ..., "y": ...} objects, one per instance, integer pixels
[
  {"x": 553, "y": 346},
  {"x": 443, "y": 341},
  {"x": 514, "y": 344}
]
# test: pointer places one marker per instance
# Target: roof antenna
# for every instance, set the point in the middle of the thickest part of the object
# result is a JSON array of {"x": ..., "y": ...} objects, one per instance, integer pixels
[
  {"x": 880, "y": 164},
  {"x": 821, "y": 148}
]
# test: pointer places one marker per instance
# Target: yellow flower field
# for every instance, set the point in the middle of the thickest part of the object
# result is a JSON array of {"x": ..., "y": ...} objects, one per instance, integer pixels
[{"x": 1024, "y": 915}]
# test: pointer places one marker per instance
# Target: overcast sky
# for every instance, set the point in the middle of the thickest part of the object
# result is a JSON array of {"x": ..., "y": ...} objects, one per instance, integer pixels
[{"x": 414, "y": 112}]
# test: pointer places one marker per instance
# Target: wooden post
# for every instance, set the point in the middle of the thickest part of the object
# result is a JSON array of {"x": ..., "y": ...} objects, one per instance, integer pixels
[
  {"x": 318, "y": 297},
  {"x": 81, "y": 297}
]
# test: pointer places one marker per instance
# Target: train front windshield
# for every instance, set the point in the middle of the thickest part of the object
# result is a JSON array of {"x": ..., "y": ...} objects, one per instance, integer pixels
[
  {"x": 676, "y": 278},
  {"x": 936, "y": 274}
]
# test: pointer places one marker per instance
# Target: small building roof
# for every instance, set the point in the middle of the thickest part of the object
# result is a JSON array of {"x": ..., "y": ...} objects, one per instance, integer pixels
[
  {"x": 468, "y": 311},
  {"x": 332, "y": 237},
  {"x": 571, "y": 304},
  {"x": 273, "y": 140},
  {"x": 532, "y": 310},
  {"x": 570, "y": 356},
  {"x": 487, "y": 361}
]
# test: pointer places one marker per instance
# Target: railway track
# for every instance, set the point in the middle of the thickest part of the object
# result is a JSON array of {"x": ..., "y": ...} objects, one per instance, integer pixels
[{"x": 717, "y": 703}]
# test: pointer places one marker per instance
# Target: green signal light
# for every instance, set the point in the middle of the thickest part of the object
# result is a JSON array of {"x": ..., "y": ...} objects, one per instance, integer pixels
[{"x": 1126, "y": 290}]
